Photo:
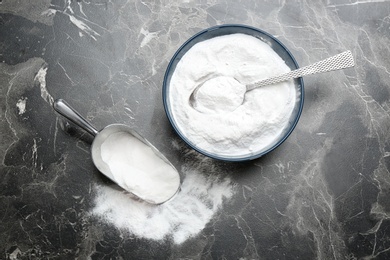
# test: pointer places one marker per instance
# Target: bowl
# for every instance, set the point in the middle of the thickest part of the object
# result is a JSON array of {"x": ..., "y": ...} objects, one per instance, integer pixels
[{"x": 223, "y": 30}]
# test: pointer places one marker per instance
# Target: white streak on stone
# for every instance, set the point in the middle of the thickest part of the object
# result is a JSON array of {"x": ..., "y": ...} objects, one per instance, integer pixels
[
  {"x": 83, "y": 27},
  {"x": 81, "y": 9},
  {"x": 358, "y": 2},
  {"x": 148, "y": 36},
  {"x": 21, "y": 105},
  {"x": 41, "y": 78},
  {"x": 68, "y": 7},
  {"x": 154, "y": 71},
  {"x": 66, "y": 74},
  {"x": 35, "y": 153},
  {"x": 49, "y": 12},
  {"x": 16, "y": 254}
]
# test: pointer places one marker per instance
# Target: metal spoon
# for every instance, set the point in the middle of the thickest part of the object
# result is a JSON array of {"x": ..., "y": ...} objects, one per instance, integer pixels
[
  {"x": 72, "y": 115},
  {"x": 337, "y": 62}
]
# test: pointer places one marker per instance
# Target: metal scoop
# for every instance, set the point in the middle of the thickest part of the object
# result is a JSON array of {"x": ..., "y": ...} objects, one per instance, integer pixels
[
  {"x": 340, "y": 61},
  {"x": 72, "y": 115}
]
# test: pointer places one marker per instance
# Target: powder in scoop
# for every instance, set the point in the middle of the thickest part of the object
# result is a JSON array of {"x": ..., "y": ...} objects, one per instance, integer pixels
[{"x": 136, "y": 168}]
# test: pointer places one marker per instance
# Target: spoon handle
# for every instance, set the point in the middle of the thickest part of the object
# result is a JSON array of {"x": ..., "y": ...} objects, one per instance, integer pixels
[
  {"x": 337, "y": 62},
  {"x": 72, "y": 115}
]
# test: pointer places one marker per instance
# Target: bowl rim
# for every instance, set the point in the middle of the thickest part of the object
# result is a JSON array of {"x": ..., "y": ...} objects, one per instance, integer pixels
[{"x": 216, "y": 156}]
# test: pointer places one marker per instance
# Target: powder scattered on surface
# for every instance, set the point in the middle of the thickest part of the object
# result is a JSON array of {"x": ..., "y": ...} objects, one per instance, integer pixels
[{"x": 180, "y": 218}]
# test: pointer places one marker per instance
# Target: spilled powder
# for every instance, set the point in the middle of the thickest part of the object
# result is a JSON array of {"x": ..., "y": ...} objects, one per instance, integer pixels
[{"x": 184, "y": 216}]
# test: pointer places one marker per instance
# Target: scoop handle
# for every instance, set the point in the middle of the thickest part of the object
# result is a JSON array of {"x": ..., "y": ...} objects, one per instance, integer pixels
[{"x": 64, "y": 109}]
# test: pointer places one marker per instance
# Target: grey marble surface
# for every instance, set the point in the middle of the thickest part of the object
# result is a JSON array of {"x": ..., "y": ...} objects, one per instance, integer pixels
[{"x": 323, "y": 194}]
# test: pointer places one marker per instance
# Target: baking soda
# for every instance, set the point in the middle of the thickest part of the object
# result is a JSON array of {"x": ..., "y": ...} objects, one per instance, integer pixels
[
  {"x": 235, "y": 130},
  {"x": 219, "y": 95},
  {"x": 136, "y": 168},
  {"x": 200, "y": 197}
]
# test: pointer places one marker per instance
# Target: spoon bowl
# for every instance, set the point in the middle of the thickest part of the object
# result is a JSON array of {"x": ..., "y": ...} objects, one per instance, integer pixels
[{"x": 218, "y": 94}]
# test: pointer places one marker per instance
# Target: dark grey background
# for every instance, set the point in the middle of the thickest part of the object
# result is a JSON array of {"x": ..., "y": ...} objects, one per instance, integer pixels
[{"x": 323, "y": 194}]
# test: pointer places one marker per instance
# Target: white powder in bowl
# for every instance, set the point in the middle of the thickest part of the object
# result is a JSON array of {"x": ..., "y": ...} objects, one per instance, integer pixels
[
  {"x": 136, "y": 168},
  {"x": 252, "y": 127}
]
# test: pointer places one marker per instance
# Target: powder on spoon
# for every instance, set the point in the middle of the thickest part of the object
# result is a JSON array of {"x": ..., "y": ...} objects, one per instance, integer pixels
[
  {"x": 219, "y": 94},
  {"x": 136, "y": 168}
]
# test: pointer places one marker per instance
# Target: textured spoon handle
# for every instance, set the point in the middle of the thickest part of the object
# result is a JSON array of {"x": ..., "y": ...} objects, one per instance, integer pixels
[{"x": 337, "y": 62}]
